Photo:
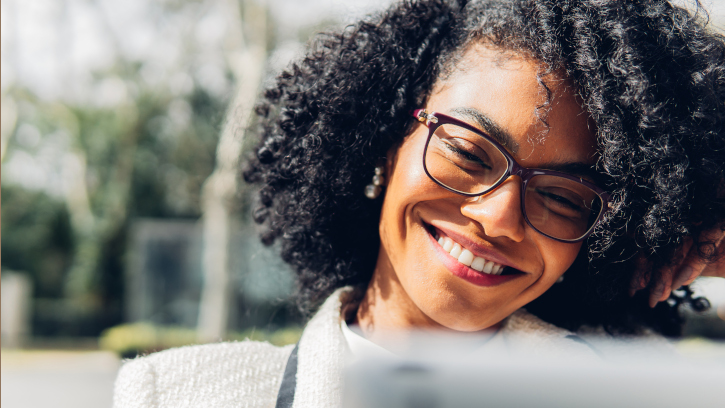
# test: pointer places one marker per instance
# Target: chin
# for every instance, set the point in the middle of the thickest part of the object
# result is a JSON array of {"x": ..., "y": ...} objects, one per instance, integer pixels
[
  {"x": 456, "y": 312},
  {"x": 466, "y": 325}
]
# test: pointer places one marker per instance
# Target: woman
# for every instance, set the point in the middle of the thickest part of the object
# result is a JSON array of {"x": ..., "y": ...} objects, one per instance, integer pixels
[{"x": 445, "y": 164}]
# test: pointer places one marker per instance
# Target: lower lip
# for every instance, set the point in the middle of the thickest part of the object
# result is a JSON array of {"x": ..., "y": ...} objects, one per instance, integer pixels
[{"x": 464, "y": 272}]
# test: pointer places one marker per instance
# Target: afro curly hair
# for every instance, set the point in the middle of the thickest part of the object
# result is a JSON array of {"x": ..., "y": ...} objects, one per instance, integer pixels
[{"x": 650, "y": 74}]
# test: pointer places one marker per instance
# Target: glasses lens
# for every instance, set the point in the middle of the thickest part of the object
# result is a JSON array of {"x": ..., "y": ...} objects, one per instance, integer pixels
[
  {"x": 561, "y": 208},
  {"x": 463, "y": 160}
]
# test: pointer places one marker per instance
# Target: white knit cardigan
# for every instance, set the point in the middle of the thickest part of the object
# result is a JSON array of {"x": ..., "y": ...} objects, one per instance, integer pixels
[{"x": 249, "y": 373}]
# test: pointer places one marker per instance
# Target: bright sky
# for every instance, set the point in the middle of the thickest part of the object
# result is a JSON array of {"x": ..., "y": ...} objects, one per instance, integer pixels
[{"x": 53, "y": 46}]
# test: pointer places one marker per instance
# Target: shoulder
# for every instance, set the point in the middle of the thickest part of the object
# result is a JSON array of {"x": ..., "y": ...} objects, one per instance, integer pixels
[
  {"x": 529, "y": 334},
  {"x": 645, "y": 345},
  {"x": 244, "y": 374}
]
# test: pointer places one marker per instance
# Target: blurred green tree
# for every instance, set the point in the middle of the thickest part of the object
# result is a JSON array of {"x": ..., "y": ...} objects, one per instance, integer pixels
[
  {"x": 134, "y": 133},
  {"x": 144, "y": 157}
]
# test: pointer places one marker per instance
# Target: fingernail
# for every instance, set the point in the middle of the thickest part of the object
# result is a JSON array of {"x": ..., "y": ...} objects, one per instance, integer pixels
[
  {"x": 682, "y": 276},
  {"x": 653, "y": 300},
  {"x": 693, "y": 274},
  {"x": 656, "y": 293},
  {"x": 665, "y": 295}
]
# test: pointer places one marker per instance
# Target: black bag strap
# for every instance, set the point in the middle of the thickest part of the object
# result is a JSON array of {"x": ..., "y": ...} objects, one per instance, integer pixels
[{"x": 286, "y": 394}]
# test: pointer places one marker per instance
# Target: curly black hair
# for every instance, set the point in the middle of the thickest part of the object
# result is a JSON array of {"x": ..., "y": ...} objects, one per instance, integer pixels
[{"x": 650, "y": 74}]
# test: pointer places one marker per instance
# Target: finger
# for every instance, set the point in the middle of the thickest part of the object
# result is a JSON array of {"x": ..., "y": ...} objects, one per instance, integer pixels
[
  {"x": 639, "y": 278},
  {"x": 715, "y": 269},
  {"x": 657, "y": 292},
  {"x": 682, "y": 270},
  {"x": 663, "y": 286},
  {"x": 666, "y": 293},
  {"x": 682, "y": 276},
  {"x": 672, "y": 276},
  {"x": 696, "y": 262}
]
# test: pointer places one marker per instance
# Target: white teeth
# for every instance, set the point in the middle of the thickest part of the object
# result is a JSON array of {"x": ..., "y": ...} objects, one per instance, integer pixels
[
  {"x": 467, "y": 258},
  {"x": 478, "y": 263},
  {"x": 447, "y": 244},
  {"x": 456, "y": 251}
]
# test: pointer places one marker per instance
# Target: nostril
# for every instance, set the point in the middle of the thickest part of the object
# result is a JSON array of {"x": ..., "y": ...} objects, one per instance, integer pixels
[{"x": 498, "y": 212}]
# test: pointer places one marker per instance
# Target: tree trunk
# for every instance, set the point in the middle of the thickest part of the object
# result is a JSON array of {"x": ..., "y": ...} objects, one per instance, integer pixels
[{"x": 221, "y": 188}]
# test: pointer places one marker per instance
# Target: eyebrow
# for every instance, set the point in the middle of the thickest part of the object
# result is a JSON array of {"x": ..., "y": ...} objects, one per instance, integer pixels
[
  {"x": 577, "y": 169},
  {"x": 490, "y": 127}
]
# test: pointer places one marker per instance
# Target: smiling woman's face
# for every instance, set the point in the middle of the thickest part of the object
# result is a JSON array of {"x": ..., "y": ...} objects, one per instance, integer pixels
[{"x": 417, "y": 282}]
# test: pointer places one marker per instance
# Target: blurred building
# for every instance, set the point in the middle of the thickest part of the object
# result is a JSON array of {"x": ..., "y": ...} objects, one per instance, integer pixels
[{"x": 164, "y": 277}]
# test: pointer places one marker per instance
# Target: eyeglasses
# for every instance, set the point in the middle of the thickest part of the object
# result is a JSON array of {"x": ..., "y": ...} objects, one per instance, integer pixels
[{"x": 464, "y": 160}]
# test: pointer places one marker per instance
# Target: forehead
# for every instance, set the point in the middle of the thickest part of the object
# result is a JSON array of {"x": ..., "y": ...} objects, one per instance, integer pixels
[{"x": 508, "y": 89}]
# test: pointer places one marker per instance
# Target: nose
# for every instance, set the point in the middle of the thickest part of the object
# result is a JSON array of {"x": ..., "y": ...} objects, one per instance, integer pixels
[{"x": 499, "y": 211}]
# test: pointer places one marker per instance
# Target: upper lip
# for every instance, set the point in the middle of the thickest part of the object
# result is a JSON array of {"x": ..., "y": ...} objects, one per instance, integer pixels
[{"x": 477, "y": 250}]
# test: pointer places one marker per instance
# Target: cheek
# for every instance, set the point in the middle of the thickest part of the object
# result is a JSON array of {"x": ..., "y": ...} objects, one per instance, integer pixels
[
  {"x": 558, "y": 257},
  {"x": 406, "y": 173},
  {"x": 406, "y": 184}
]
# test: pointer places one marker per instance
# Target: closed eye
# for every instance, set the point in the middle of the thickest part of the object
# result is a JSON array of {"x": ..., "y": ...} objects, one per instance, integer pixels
[
  {"x": 467, "y": 155},
  {"x": 560, "y": 200}
]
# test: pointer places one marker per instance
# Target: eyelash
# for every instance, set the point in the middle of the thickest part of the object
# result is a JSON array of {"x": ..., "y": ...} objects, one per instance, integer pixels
[
  {"x": 467, "y": 155},
  {"x": 561, "y": 200}
]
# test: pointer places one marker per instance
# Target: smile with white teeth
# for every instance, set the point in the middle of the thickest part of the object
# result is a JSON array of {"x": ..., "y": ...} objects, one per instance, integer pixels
[{"x": 467, "y": 258}]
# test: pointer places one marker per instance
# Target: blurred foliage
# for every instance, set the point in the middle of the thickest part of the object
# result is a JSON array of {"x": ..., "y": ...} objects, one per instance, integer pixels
[
  {"x": 36, "y": 224},
  {"x": 131, "y": 135},
  {"x": 130, "y": 340},
  {"x": 146, "y": 156}
]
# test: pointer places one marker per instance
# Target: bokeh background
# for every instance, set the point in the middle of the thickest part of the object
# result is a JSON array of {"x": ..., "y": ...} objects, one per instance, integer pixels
[{"x": 125, "y": 228}]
